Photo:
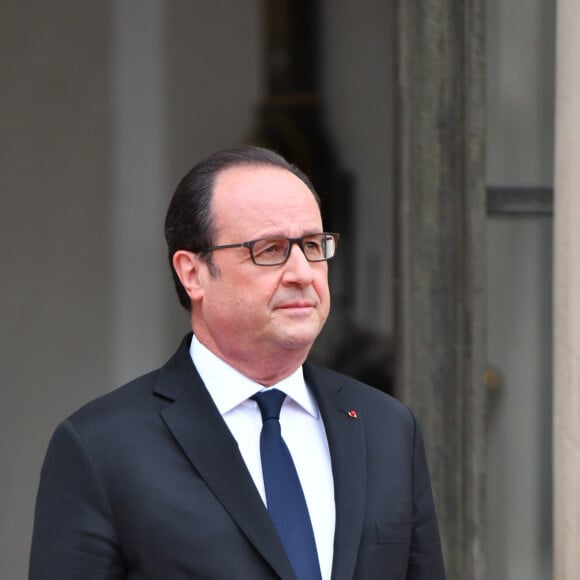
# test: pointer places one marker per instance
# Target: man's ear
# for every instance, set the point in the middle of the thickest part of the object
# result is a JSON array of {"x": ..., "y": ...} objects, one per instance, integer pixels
[{"x": 187, "y": 266}]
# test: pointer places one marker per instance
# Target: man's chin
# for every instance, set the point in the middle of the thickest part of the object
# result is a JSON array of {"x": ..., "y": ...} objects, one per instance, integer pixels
[{"x": 302, "y": 339}]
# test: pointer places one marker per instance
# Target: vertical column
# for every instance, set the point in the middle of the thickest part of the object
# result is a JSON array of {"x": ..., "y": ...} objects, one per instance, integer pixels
[
  {"x": 139, "y": 197},
  {"x": 440, "y": 258},
  {"x": 567, "y": 296}
]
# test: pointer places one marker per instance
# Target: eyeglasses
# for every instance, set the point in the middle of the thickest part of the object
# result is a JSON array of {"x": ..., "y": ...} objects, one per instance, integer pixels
[{"x": 275, "y": 251}]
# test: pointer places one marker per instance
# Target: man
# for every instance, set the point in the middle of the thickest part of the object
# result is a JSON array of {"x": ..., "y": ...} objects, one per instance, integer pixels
[{"x": 171, "y": 476}]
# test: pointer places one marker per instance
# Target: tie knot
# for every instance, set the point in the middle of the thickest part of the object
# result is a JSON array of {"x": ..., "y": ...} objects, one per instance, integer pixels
[{"x": 270, "y": 403}]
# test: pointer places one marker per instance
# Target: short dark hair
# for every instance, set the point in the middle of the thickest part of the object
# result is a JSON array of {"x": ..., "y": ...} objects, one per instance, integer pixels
[{"x": 189, "y": 223}]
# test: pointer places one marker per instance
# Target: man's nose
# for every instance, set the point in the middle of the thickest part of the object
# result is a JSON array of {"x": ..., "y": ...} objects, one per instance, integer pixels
[{"x": 297, "y": 268}]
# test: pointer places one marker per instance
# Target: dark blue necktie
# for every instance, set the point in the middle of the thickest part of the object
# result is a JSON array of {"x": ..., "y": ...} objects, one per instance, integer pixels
[{"x": 284, "y": 494}]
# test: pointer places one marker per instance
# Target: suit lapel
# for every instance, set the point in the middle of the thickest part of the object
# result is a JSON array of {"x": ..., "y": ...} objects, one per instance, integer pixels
[
  {"x": 345, "y": 432},
  {"x": 206, "y": 440}
]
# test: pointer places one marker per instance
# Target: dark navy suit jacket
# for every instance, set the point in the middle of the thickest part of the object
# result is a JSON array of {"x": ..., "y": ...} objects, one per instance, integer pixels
[{"x": 147, "y": 483}]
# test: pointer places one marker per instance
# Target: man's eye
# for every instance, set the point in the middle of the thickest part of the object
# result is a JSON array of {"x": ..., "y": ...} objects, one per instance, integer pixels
[
  {"x": 313, "y": 248},
  {"x": 271, "y": 248}
]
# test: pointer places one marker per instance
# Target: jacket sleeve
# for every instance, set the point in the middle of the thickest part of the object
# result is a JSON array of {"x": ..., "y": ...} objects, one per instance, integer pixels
[
  {"x": 425, "y": 558},
  {"x": 74, "y": 536}
]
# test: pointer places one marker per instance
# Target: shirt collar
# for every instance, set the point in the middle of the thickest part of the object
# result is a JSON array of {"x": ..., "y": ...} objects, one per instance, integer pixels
[{"x": 229, "y": 388}]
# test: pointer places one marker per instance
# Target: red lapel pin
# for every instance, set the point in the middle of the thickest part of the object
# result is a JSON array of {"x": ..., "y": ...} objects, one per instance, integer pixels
[{"x": 352, "y": 414}]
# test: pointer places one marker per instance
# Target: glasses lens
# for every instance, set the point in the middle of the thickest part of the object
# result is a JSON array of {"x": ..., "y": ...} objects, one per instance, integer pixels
[
  {"x": 270, "y": 252},
  {"x": 319, "y": 247}
]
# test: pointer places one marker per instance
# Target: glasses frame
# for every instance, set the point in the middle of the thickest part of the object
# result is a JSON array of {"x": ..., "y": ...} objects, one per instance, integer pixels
[{"x": 291, "y": 241}]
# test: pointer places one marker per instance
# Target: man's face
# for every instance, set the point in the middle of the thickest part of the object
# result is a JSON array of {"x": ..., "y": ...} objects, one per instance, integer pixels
[{"x": 251, "y": 313}]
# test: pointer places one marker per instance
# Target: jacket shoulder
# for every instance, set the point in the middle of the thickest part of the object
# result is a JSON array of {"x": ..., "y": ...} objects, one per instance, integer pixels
[{"x": 140, "y": 395}]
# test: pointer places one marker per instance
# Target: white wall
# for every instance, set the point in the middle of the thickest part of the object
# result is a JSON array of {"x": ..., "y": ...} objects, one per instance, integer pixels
[{"x": 54, "y": 245}]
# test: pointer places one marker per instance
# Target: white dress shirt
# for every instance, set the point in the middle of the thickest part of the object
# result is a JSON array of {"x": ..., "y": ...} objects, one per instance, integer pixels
[{"x": 302, "y": 430}]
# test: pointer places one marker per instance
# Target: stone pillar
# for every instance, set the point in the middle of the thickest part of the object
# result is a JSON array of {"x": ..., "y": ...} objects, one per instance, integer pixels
[
  {"x": 439, "y": 309},
  {"x": 567, "y": 296}
]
